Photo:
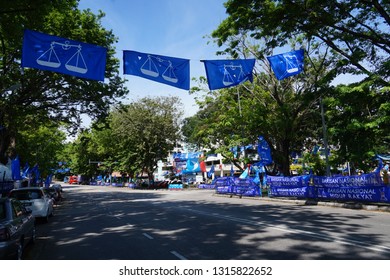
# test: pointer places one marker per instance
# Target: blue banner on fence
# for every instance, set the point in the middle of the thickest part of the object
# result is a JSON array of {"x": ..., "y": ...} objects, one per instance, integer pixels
[
  {"x": 366, "y": 193},
  {"x": 366, "y": 187},
  {"x": 280, "y": 181},
  {"x": 236, "y": 186},
  {"x": 370, "y": 179},
  {"x": 47, "y": 52},
  {"x": 291, "y": 191}
]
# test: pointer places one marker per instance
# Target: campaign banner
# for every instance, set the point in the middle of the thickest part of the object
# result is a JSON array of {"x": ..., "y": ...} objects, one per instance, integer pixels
[
  {"x": 228, "y": 72},
  {"x": 264, "y": 151},
  {"x": 62, "y": 55},
  {"x": 296, "y": 186},
  {"x": 357, "y": 193},
  {"x": 167, "y": 70},
  {"x": 223, "y": 185},
  {"x": 287, "y": 64},
  {"x": 295, "y": 181},
  {"x": 291, "y": 191},
  {"x": 370, "y": 179}
]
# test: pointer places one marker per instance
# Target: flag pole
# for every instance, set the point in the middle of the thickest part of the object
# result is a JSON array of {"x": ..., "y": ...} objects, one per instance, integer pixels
[
  {"x": 324, "y": 130},
  {"x": 239, "y": 101}
]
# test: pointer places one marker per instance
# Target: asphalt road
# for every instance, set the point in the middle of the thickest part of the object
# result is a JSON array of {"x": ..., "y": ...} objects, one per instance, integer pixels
[{"x": 104, "y": 223}]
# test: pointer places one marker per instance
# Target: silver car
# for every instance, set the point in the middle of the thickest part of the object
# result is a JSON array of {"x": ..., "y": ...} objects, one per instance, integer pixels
[
  {"x": 17, "y": 228},
  {"x": 34, "y": 199}
]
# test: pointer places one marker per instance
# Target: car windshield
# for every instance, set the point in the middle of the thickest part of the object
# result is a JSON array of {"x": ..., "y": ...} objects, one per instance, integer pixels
[{"x": 26, "y": 194}]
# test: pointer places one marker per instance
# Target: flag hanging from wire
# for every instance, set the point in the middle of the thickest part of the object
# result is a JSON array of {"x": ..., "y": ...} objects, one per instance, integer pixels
[
  {"x": 287, "y": 64},
  {"x": 228, "y": 73},
  {"x": 52, "y": 53},
  {"x": 171, "y": 71}
]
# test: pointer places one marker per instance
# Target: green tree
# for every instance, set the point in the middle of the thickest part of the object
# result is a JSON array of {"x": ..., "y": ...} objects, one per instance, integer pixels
[
  {"x": 357, "y": 31},
  {"x": 145, "y": 132},
  {"x": 32, "y": 97},
  {"x": 359, "y": 123},
  {"x": 48, "y": 142},
  {"x": 347, "y": 36}
]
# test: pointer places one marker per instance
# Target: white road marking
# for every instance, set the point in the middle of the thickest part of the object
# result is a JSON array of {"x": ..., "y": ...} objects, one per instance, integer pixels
[
  {"x": 148, "y": 236},
  {"x": 176, "y": 254}
]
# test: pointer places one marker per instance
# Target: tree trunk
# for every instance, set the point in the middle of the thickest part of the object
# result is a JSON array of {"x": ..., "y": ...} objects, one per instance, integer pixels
[{"x": 5, "y": 142}]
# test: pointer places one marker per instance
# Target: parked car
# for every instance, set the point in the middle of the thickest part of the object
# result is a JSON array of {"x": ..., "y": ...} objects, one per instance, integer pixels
[
  {"x": 17, "y": 228},
  {"x": 34, "y": 199},
  {"x": 73, "y": 180},
  {"x": 52, "y": 193}
]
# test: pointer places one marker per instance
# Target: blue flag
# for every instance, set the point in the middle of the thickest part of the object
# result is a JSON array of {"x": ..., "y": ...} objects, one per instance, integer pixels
[
  {"x": 287, "y": 64},
  {"x": 162, "y": 69},
  {"x": 15, "y": 169},
  {"x": 228, "y": 73},
  {"x": 47, "y": 52},
  {"x": 211, "y": 171},
  {"x": 264, "y": 151}
]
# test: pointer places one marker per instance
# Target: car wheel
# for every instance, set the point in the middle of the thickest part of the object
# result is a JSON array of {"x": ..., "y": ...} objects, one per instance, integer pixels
[
  {"x": 19, "y": 251},
  {"x": 33, "y": 235}
]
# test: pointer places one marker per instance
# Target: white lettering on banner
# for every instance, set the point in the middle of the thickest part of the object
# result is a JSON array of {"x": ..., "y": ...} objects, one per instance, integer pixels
[
  {"x": 371, "y": 179},
  {"x": 360, "y": 196}
]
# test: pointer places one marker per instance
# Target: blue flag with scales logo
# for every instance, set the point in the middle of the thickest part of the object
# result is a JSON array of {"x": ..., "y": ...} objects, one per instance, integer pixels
[
  {"x": 171, "y": 71},
  {"x": 47, "y": 52},
  {"x": 287, "y": 64},
  {"x": 229, "y": 72}
]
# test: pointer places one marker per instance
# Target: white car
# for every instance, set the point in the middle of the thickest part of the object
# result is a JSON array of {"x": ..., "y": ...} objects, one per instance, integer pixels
[{"x": 36, "y": 200}]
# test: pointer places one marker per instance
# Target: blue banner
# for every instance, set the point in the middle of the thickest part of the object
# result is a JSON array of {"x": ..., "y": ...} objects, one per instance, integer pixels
[
  {"x": 291, "y": 191},
  {"x": 162, "y": 69},
  {"x": 370, "y": 179},
  {"x": 192, "y": 166},
  {"x": 287, "y": 64},
  {"x": 236, "y": 186},
  {"x": 264, "y": 151},
  {"x": 363, "y": 193},
  {"x": 295, "y": 181},
  {"x": 364, "y": 188},
  {"x": 228, "y": 73},
  {"x": 52, "y": 53}
]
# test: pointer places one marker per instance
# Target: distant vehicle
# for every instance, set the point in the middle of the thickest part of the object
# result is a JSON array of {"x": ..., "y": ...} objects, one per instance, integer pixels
[
  {"x": 36, "y": 200},
  {"x": 73, "y": 180},
  {"x": 17, "y": 228}
]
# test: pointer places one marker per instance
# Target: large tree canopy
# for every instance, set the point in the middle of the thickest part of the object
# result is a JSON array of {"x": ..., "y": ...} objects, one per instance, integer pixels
[
  {"x": 145, "y": 132},
  {"x": 30, "y": 97},
  {"x": 356, "y": 30},
  {"x": 344, "y": 36}
]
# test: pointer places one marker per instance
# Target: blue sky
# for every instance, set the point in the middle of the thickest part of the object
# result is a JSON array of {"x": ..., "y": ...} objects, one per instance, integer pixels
[{"x": 165, "y": 27}]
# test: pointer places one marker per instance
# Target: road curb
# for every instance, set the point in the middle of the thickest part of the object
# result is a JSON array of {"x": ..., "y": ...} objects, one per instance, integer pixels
[{"x": 308, "y": 202}]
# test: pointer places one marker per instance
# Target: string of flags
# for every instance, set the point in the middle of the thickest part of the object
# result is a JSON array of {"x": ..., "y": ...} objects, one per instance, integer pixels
[{"x": 62, "y": 55}]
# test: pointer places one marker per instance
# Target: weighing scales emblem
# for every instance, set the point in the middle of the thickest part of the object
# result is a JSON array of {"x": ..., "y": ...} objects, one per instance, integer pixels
[{"x": 75, "y": 64}]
